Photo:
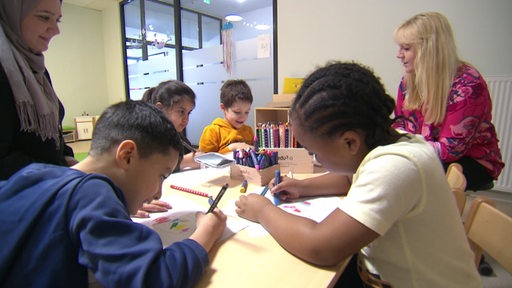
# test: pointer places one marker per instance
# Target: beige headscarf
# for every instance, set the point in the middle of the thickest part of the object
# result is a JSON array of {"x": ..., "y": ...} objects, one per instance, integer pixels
[{"x": 36, "y": 102}]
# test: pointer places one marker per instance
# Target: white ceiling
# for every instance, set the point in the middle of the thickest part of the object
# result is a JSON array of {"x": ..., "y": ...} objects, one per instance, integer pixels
[{"x": 217, "y": 8}]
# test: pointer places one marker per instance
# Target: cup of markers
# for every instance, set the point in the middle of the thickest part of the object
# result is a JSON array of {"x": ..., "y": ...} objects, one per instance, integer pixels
[
  {"x": 255, "y": 166},
  {"x": 261, "y": 159}
]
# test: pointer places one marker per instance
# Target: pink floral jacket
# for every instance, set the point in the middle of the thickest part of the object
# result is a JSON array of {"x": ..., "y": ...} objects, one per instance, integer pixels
[{"x": 466, "y": 130}]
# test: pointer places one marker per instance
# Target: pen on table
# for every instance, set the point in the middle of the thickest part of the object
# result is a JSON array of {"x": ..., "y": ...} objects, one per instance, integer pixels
[
  {"x": 217, "y": 199},
  {"x": 188, "y": 146},
  {"x": 277, "y": 179},
  {"x": 264, "y": 191},
  {"x": 243, "y": 188},
  {"x": 188, "y": 190}
]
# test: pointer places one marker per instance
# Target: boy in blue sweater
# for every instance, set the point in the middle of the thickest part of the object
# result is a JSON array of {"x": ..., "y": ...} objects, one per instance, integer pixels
[{"x": 58, "y": 222}]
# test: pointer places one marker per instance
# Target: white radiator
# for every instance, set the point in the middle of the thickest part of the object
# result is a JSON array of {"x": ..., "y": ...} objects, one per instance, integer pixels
[{"x": 500, "y": 88}]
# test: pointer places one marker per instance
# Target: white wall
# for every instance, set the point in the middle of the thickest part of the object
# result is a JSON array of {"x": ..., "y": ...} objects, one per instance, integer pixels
[
  {"x": 86, "y": 63},
  {"x": 313, "y": 32},
  {"x": 112, "y": 38},
  {"x": 84, "y": 58},
  {"x": 75, "y": 61}
]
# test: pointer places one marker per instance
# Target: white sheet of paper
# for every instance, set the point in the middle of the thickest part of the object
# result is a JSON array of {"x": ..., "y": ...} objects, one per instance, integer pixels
[
  {"x": 180, "y": 222},
  {"x": 316, "y": 209}
]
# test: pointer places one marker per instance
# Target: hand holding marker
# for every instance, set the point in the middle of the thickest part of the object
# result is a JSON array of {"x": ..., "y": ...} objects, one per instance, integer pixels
[
  {"x": 277, "y": 179},
  {"x": 217, "y": 199}
]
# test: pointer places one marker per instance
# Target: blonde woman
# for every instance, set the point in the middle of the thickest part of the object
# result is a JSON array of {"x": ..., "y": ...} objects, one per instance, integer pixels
[{"x": 445, "y": 99}]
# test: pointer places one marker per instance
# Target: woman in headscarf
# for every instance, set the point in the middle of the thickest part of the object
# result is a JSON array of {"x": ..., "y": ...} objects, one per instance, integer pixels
[{"x": 30, "y": 112}]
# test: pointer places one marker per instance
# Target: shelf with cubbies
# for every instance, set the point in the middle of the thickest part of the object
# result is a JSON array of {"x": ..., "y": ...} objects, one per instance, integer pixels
[{"x": 296, "y": 160}]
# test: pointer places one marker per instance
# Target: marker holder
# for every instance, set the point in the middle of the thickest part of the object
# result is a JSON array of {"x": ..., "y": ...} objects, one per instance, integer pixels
[{"x": 260, "y": 177}]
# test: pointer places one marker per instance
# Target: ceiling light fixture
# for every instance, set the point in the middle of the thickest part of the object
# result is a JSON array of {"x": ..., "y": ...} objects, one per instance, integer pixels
[
  {"x": 261, "y": 27},
  {"x": 233, "y": 18}
]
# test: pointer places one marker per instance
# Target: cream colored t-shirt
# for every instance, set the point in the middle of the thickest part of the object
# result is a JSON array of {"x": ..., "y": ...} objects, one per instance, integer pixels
[{"x": 400, "y": 191}]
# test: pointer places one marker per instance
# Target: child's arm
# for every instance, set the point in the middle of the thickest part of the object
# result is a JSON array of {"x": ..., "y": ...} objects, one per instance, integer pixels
[
  {"x": 239, "y": 145},
  {"x": 154, "y": 206},
  {"x": 189, "y": 162},
  {"x": 209, "y": 228},
  {"x": 326, "y": 243},
  {"x": 322, "y": 185}
]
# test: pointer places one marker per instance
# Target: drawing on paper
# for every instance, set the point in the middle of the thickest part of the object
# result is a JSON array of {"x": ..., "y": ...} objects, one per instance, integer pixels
[
  {"x": 178, "y": 225},
  {"x": 297, "y": 208}
]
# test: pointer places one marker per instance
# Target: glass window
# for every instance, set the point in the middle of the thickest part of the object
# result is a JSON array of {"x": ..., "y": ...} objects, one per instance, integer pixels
[
  {"x": 190, "y": 29},
  {"x": 210, "y": 31},
  {"x": 150, "y": 45},
  {"x": 132, "y": 30},
  {"x": 159, "y": 18}
]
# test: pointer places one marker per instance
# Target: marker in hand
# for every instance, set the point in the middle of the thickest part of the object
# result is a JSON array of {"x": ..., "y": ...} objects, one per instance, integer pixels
[
  {"x": 277, "y": 179},
  {"x": 264, "y": 191},
  {"x": 217, "y": 199}
]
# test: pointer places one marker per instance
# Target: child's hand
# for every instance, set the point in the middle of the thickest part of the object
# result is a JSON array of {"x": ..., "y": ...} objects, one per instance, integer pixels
[
  {"x": 154, "y": 206},
  {"x": 288, "y": 188},
  {"x": 209, "y": 228},
  {"x": 189, "y": 162},
  {"x": 251, "y": 206},
  {"x": 239, "y": 145}
]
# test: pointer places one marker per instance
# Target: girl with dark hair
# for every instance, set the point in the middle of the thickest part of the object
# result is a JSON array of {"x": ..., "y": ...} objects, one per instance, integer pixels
[{"x": 399, "y": 215}]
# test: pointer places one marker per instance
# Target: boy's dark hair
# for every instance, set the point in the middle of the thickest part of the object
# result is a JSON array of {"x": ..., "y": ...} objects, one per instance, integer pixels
[
  {"x": 235, "y": 90},
  {"x": 138, "y": 121},
  {"x": 168, "y": 93},
  {"x": 345, "y": 96}
]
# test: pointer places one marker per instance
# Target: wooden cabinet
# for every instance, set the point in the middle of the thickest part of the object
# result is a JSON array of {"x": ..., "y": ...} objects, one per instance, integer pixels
[
  {"x": 297, "y": 160},
  {"x": 271, "y": 114}
]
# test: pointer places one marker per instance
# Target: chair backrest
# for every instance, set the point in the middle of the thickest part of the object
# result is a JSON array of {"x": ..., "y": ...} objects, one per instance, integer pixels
[
  {"x": 489, "y": 230},
  {"x": 457, "y": 182}
]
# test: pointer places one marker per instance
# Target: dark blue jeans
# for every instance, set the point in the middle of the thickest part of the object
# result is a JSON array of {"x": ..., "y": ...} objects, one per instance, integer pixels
[{"x": 476, "y": 174}]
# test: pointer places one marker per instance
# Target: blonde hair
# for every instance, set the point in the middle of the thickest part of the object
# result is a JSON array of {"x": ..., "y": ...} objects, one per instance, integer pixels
[{"x": 435, "y": 64}]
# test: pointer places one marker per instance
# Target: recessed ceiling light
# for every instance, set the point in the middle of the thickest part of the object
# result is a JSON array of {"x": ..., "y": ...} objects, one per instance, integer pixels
[
  {"x": 261, "y": 27},
  {"x": 233, "y": 18}
]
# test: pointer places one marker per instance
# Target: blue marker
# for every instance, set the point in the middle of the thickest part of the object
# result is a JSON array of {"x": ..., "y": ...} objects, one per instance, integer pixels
[
  {"x": 277, "y": 180},
  {"x": 264, "y": 191},
  {"x": 254, "y": 159}
]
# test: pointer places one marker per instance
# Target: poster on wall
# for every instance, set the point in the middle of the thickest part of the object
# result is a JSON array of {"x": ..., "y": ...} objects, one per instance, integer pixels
[{"x": 264, "y": 46}]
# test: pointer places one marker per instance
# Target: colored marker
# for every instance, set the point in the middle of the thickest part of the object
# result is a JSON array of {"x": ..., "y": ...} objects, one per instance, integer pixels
[
  {"x": 188, "y": 190},
  {"x": 264, "y": 191},
  {"x": 256, "y": 142},
  {"x": 255, "y": 159},
  {"x": 277, "y": 180},
  {"x": 217, "y": 199},
  {"x": 243, "y": 188}
]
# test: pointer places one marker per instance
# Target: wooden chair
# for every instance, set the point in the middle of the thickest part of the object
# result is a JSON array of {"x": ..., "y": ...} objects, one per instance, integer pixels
[
  {"x": 489, "y": 230},
  {"x": 457, "y": 182}
]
